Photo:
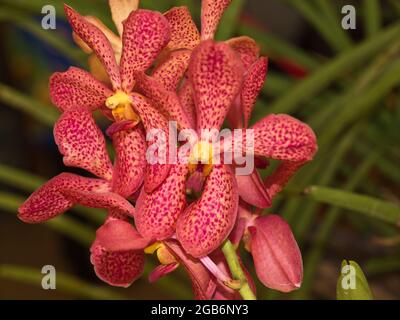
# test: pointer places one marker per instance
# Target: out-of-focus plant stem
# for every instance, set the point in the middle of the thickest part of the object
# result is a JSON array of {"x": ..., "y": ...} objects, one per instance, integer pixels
[
  {"x": 65, "y": 283},
  {"x": 228, "y": 24},
  {"x": 236, "y": 270},
  {"x": 372, "y": 16}
]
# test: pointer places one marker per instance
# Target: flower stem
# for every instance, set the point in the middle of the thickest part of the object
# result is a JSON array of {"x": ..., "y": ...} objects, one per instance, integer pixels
[{"x": 237, "y": 271}]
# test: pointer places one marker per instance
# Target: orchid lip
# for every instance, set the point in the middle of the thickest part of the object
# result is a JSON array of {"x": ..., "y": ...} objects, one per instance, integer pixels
[{"x": 121, "y": 105}]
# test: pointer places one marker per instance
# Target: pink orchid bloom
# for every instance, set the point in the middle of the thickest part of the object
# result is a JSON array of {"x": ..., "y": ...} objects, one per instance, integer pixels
[
  {"x": 276, "y": 255},
  {"x": 83, "y": 146}
]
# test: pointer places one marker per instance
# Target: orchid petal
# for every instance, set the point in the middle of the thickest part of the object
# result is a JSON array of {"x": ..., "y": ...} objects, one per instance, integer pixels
[
  {"x": 63, "y": 191},
  {"x": 145, "y": 34},
  {"x": 82, "y": 143},
  {"x": 161, "y": 271},
  {"x": 153, "y": 120},
  {"x": 252, "y": 84},
  {"x": 168, "y": 101},
  {"x": 211, "y": 13},
  {"x": 75, "y": 88},
  {"x": 202, "y": 281},
  {"x": 252, "y": 190},
  {"x": 276, "y": 255},
  {"x": 247, "y": 48},
  {"x": 157, "y": 212},
  {"x": 97, "y": 41},
  {"x": 170, "y": 71},
  {"x": 187, "y": 102},
  {"x": 215, "y": 73},
  {"x": 119, "y": 235},
  {"x": 283, "y": 137},
  {"x": 184, "y": 33},
  {"x": 206, "y": 223},
  {"x": 120, "y": 10},
  {"x": 130, "y": 161},
  {"x": 117, "y": 268}
]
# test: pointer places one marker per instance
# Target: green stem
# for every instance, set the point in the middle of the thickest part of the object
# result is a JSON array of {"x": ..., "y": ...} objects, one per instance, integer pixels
[{"x": 237, "y": 271}]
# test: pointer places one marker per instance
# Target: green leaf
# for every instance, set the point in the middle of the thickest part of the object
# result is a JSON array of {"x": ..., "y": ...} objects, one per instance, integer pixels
[
  {"x": 372, "y": 207},
  {"x": 372, "y": 16},
  {"x": 228, "y": 24},
  {"x": 352, "y": 284}
]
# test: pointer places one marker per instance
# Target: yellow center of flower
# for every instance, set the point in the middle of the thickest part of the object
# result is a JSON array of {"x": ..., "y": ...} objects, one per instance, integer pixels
[
  {"x": 202, "y": 152},
  {"x": 163, "y": 254},
  {"x": 120, "y": 104}
]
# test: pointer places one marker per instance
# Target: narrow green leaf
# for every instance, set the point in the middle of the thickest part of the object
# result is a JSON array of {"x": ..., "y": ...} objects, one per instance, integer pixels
[
  {"x": 372, "y": 16},
  {"x": 352, "y": 284},
  {"x": 65, "y": 282},
  {"x": 369, "y": 206},
  {"x": 229, "y": 21}
]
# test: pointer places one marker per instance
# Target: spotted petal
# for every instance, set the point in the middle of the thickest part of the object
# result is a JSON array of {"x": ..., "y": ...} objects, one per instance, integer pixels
[
  {"x": 75, "y": 88},
  {"x": 186, "y": 98},
  {"x": 252, "y": 84},
  {"x": 82, "y": 143},
  {"x": 63, "y": 191},
  {"x": 157, "y": 212},
  {"x": 117, "y": 253},
  {"x": 97, "y": 41},
  {"x": 202, "y": 282},
  {"x": 120, "y": 10},
  {"x": 156, "y": 125},
  {"x": 247, "y": 48},
  {"x": 211, "y": 13},
  {"x": 215, "y": 73},
  {"x": 167, "y": 101},
  {"x": 206, "y": 223},
  {"x": 252, "y": 190},
  {"x": 184, "y": 33},
  {"x": 170, "y": 71},
  {"x": 276, "y": 255},
  {"x": 145, "y": 34},
  {"x": 130, "y": 161}
]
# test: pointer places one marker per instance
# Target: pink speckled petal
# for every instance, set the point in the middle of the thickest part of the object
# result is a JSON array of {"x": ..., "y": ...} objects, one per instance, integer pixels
[
  {"x": 97, "y": 41},
  {"x": 161, "y": 271},
  {"x": 118, "y": 269},
  {"x": 252, "y": 84},
  {"x": 186, "y": 98},
  {"x": 276, "y": 255},
  {"x": 157, "y": 212},
  {"x": 77, "y": 88},
  {"x": 170, "y": 71},
  {"x": 206, "y": 223},
  {"x": 145, "y": 34},
  {"x": 120, "y": 10},
  {"x": 130, "y": 161},
  {"x": 283, "y": 137},
  {"x": 63, "y": 191},
  {"x": 211, "y": 13},
  {"x": 247, "y": 49},
  {"x": 153, "y": 119},
  {"x": 167, "y": 101},
  {"x": 215, "y": 73},
  {"x": 82, "y": 143},
  {"x": 184, "y": 33},
  {"x": 119, "y": 235},
  {"x": 202, "y": 280},
  {"x": 252, "y": 190}
]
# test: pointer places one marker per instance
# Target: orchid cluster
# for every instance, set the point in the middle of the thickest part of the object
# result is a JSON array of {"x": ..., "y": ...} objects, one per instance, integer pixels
[{"x": 160, "y": 68}]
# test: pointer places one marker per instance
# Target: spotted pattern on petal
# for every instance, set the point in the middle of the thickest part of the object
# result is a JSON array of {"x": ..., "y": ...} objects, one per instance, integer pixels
[
  {"x": 283, "y": 137},
  {"x": 97, "y": 41},
  {"x": 184, "y": 33},
  {"x": 130, "y": 161},
  {"x": 157, "y": 212},
  {"x": 253, "y": 82},
  {"x": 170, "y": 71},
  {"x": 186, "y": 98},
  {"x": 75, "y": 88},
  {"x": 145, "y": 34},
  {"x": 119, "y": 268},
  {"x": 206, "y": 223},
  {"x": 211, "y": 13},
  {"x": 247, "y": 49},
  {"x": 82, "y": 143},
  {"x": 215, "y": 72}
]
